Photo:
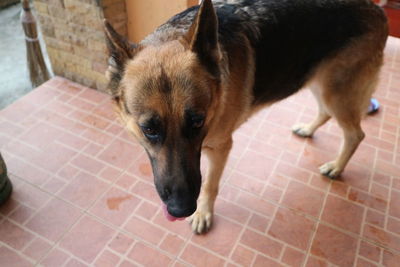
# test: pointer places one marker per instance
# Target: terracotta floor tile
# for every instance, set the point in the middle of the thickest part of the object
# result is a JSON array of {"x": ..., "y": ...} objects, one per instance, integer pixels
[
  {"x": 336, "y": 247},
  {"x": 121, "y": 154},
  {"x": 265, "y": 148},
  {"x": 231, "y": 211},
  {"x": 172, "y": 244},
  {"x": 84, "y": 190},
  {"x": 81, "y": 104},
  {"x": 28, "y": 172},
  {"x": 106, "y": 110},
  {"x": 293, "y": 257},
  {"x": 375, "y": 218},
  {"x": 115, "y": 206},
  {"x": 261, "y": 243},
  {"x": 292, "y": 228},
  {"x": 320, "y": 182},
  {"x": 257, "y": 203},
  {"x": 256, "y": 165},
  {"x": 339, "y": 188},
  {"x": 303, "y": 198},
  {"x": 394, "y": 207},
  {"x": 93, "y": 96},
  {"x": 68, "y": 172},
  {"x": 145, "y": 230},
  {"x": 97, "y": 136},
  {"x": 13, "y": 235},
  {"x": 88, "y": 164},
  {"x": 56, "y": 257},
  {"x": 107, "y": 259},
  {"x": 393, "y": 225},
  {"x": 343, "y": 214},
  {"x": 110, "y": 174},
  {"x": 315, "y": 262},
  {"x": 126, "y": 181},
  {"x": 272, "y": 193},
  {"x": 360, "y": 262},
  {"x": 89, "y": 119},
  {"x": 259, "y": 223},
  {"x": 41, "y": 135},
  {"x": 92, "y": 149},
  {"x": 367, "y": 200},
  {"x": 382, "y": 237},
  {"x": 262, "y": 261},
  {"x": 86, "y": 239},
  {"x": 148, "y": 256},
  {"x": 126, "y": 263},
  {"x": 37, "y": 249},
  {"x": 29, "y": 195},
  {"x": 390, "y": 259},
  {"x": 21, "y": 214},
  {"x": 10, "y": 258},
  {"x": 199, "y": 257},
  {"x": 243, "y": 256},
  {"x": 142, "y": 168},
  {"x": 120, "y": 243},
  {"x": 54, "y": 219},
  {"x": 243, "y": 182},
  {"x": 147, "y": 210},
  {"x": 381, "y": 178},
  {"x": 146, "y": 191},
  {"x": 370, "y": 251},
  {"x": 356, "y": 176},
  {"x": 221, "y": 227},
  {"x": 53, "y": 185},
  {"x": 75, "y": 263}
]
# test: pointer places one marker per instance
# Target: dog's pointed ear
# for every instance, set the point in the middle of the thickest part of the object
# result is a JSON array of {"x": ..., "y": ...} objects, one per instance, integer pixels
[
  {"x": 203, "y": 37},
  {"x": 120, "y": 50}
]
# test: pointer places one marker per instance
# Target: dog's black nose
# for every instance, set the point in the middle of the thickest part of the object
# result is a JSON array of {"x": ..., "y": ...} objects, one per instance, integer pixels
[{"x": 180, "y": 211}]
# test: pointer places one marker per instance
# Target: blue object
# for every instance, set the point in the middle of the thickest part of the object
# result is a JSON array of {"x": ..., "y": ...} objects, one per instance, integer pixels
[{"x": 373, "y": 106}]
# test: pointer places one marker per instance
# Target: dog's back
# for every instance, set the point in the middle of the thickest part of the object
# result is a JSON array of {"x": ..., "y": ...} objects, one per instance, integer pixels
[{"x": 288, "y": 39}]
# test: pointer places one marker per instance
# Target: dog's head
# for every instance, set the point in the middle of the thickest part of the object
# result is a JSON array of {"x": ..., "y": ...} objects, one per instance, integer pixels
[{"x": 166, "y": 92}]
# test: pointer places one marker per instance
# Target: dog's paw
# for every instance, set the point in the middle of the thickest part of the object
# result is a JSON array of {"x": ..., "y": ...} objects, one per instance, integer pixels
[
  {"x": 330, "y": 169},
  {"x": 302, "y": 130},
  {"x": 201, "y": 221}
]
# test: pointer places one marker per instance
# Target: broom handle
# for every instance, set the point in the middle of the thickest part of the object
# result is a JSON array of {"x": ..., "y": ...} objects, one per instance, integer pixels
[
  {"x": 28, "y": 22},
  {"x": 25, "y": 5}
]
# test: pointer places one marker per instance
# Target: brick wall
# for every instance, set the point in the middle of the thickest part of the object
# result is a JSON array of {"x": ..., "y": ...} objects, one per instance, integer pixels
[{"x": 73, "y": 33}]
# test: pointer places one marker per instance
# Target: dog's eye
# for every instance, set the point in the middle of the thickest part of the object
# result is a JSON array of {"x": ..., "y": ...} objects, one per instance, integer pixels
[
  {"x": 150, "y": 132},
  {"x": 197, "y": 121}
]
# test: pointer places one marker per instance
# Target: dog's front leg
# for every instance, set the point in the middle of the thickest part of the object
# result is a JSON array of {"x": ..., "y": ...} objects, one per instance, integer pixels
[{"x": 201, "y": 220}]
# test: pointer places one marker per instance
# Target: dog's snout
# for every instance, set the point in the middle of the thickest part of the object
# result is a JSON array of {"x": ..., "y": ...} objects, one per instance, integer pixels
[
  {"x": 179, "y": 210},
  {"x": 167, "y": 194}
]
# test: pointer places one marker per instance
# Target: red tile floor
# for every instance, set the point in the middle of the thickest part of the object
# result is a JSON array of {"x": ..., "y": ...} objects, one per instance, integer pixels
[{"x": 84, "y": 193}]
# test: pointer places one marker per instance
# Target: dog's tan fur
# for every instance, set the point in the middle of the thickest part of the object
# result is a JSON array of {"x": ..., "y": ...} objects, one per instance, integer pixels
[{"x": 342, "y": 85}]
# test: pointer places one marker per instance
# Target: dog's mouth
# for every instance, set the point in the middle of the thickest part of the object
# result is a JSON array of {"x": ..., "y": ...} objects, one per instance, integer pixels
[{"x": 170, "y": 217}]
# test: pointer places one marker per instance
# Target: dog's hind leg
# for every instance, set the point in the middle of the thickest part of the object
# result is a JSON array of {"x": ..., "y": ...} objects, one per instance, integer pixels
[
  {"x": 353, "y": 135},
  {"x": 348, "y": 84},
  {"x": 307, "y": 130},
  {"x": 201, "y": 220}
]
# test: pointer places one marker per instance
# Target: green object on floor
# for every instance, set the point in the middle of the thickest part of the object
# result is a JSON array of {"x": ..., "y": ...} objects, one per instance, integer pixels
[{"x": 5, "y": 183}]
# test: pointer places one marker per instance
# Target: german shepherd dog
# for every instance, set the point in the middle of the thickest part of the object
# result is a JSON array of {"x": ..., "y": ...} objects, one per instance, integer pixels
[{"x": 185, "y": 88}]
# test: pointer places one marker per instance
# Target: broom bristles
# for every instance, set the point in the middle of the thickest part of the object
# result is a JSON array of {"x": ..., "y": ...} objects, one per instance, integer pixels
[{"x": 37, "y": 68}]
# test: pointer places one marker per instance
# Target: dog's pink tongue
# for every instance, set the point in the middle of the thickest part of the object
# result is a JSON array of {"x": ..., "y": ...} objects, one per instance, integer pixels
[{"x": 169, "y": 216}]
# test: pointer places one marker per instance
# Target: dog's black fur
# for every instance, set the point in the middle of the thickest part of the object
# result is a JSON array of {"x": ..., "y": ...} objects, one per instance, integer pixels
[{"x": 290, "y": 37}]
